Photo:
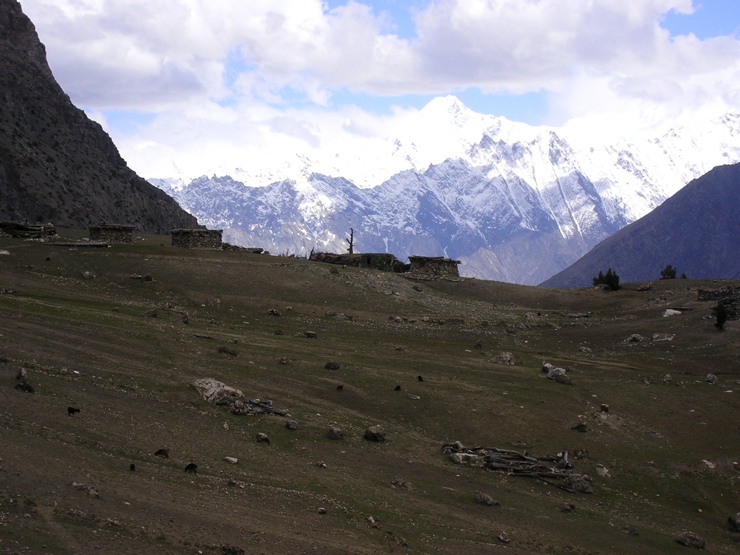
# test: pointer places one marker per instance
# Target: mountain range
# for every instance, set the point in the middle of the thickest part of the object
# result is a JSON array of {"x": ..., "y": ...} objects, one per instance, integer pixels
[
  {"x": 513, "y": 202},
  {"x": 697, "y": 230},
  {"x": 56, "y": 165}
]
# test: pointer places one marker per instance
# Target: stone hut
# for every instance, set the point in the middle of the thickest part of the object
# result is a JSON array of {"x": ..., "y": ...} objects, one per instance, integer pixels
[
  {"x": 26, "y": 230},
  {"x": 433, "y": 267},
  {"x": 112, "y": 233},
  {"x": 197, "y": 238},
  {"x": 378, "y": 260}
]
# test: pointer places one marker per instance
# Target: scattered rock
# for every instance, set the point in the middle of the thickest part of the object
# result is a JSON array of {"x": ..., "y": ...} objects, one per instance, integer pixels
[
  {"x": 580, "y": 454},
  {"x": 91, "y": 490},
  {"x": 228, "y": 351},
  {"x": 231, "y": 460},
  {"x": 88, "y": 275},
  {"x": 647, "y": 286},
  {"x": 291, "y": 424},
  {"x": 504, "y": 357},
  {"x": 670, "y": 312},
  {"x": 647, "y": 380},
  {"x": 584, "y": 349},
  {"x": 284, "y": 360},
  {"x": 334, "y": 433},
  {"x": 629, "y": 530},
  {"x": 567, "y": 508},
  {"x": 635, "y": 338},
  {"x": 690, "y": 539},
  {"x": 262, "y": 438},
  {"x": 322, "y": 510},
  {"x": 711, "y": 379},
  {"x": 503, "y": 537},
  {"x": 273, "y": 312},
  {"x": 603, "y": 471},
  {"x": 220, "y": 394},
  {"x": 564, "y": 379},
  {"x": 485, "y": 499},
  {"x": 401, "y": 483},
  {"x": 663, "y": 337},
  {"x": 709, "y": 464},
  {"x": 666, "y": 379},
  {"x": 332, "y": 365},
  {"x": 418, "y": 287},
  {"x": 375, "y": 433},
  {"x": 579, "y": 427},
  {"x": 579, "y": 483}
]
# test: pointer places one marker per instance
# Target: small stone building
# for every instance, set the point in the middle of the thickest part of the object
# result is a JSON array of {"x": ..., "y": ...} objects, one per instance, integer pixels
[
  {"x": 433, "y": 267},
  {"x": 112, "y": 233},
  {"x": 197, "y": 238},
  {"x": 378, "y": 260}
]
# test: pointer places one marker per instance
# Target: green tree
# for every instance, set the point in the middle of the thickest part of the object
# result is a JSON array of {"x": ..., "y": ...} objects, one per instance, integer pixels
[
  {"x": 669, "y": 272},
  {"x": 610, "y": 279},
  {"x": 721, "y": 312}
]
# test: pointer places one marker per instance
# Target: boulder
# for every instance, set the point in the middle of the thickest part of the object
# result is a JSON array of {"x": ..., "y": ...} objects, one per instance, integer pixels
[
  {"x": 485, "y": 499},
  {"x": 579, "y": 483},
  {"x": 375, "y": 433},
  {"x": 690, "y": 539},
  {"x": 292, "y": 424},
  {"x": 504, "y": 357},
  {"x": 334, "y": 433}
]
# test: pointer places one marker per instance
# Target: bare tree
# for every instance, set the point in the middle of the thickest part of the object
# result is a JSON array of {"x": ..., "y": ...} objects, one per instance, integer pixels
[{"x": 351, "y": 241}]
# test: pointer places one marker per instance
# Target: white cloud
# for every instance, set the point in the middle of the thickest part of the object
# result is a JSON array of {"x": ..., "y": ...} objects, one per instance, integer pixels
[{"x": 223, "y": 75}]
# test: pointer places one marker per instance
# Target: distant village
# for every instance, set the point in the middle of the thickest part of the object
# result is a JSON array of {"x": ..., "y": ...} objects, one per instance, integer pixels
[{"x": 103, "y": 235}]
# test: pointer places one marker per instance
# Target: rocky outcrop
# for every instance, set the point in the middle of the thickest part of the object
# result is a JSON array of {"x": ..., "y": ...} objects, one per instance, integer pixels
[{"x": 56, "y": 165}]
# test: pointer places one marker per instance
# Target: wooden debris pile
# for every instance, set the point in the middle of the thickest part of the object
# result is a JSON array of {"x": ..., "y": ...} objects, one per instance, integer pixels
[{"x": 555, "y": 470}]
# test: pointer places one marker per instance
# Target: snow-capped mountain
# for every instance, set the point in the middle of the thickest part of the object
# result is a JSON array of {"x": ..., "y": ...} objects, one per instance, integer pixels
[{"x": 513, "y": 202}]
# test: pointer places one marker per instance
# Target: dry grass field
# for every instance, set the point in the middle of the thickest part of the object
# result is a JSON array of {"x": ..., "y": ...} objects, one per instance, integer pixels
[{"x": 663, "y": 460}]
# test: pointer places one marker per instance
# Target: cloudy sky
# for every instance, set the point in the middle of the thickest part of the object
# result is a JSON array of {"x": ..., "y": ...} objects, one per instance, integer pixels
[{"x": 188, "y": 86}]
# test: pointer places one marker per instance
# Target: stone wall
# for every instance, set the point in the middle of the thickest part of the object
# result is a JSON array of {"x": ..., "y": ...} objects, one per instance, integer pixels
[
  {"x": 729, "y": 296},
  {"x": 112, "y": 233},
  {"x": 197, "y": 238},
  {"x": 433, "y": 267}
]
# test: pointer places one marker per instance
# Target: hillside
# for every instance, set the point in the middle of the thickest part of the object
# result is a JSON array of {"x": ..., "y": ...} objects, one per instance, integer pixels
[
  {"x": 697, "y": 230},
  {"x": 56, "y": 165},
  {"x": 121, "y": 333}
]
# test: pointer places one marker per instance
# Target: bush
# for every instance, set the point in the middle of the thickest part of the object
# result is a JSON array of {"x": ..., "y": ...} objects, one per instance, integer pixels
[
  {"x": 669, "y": 272},
  {"x": 721, "y": 312},
  {"x": 610, "y": 279}
]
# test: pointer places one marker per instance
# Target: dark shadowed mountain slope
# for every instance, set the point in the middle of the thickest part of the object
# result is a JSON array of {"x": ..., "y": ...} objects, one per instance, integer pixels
[
  {"x": 56, "y": 165},
  {"x": 697, "y": 230}
]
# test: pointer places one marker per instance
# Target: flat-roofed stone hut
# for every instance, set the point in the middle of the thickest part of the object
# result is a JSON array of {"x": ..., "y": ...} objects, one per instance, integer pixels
[
  {"x": 197, "y": 238},
  {"x": 379, "y": 260},
  {"x": 433, "y": 267},
  {"x": 112, "y": 233}
]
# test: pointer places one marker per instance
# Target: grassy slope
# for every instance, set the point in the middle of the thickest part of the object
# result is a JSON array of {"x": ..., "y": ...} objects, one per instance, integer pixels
[{"x": 89, "y": 343}]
